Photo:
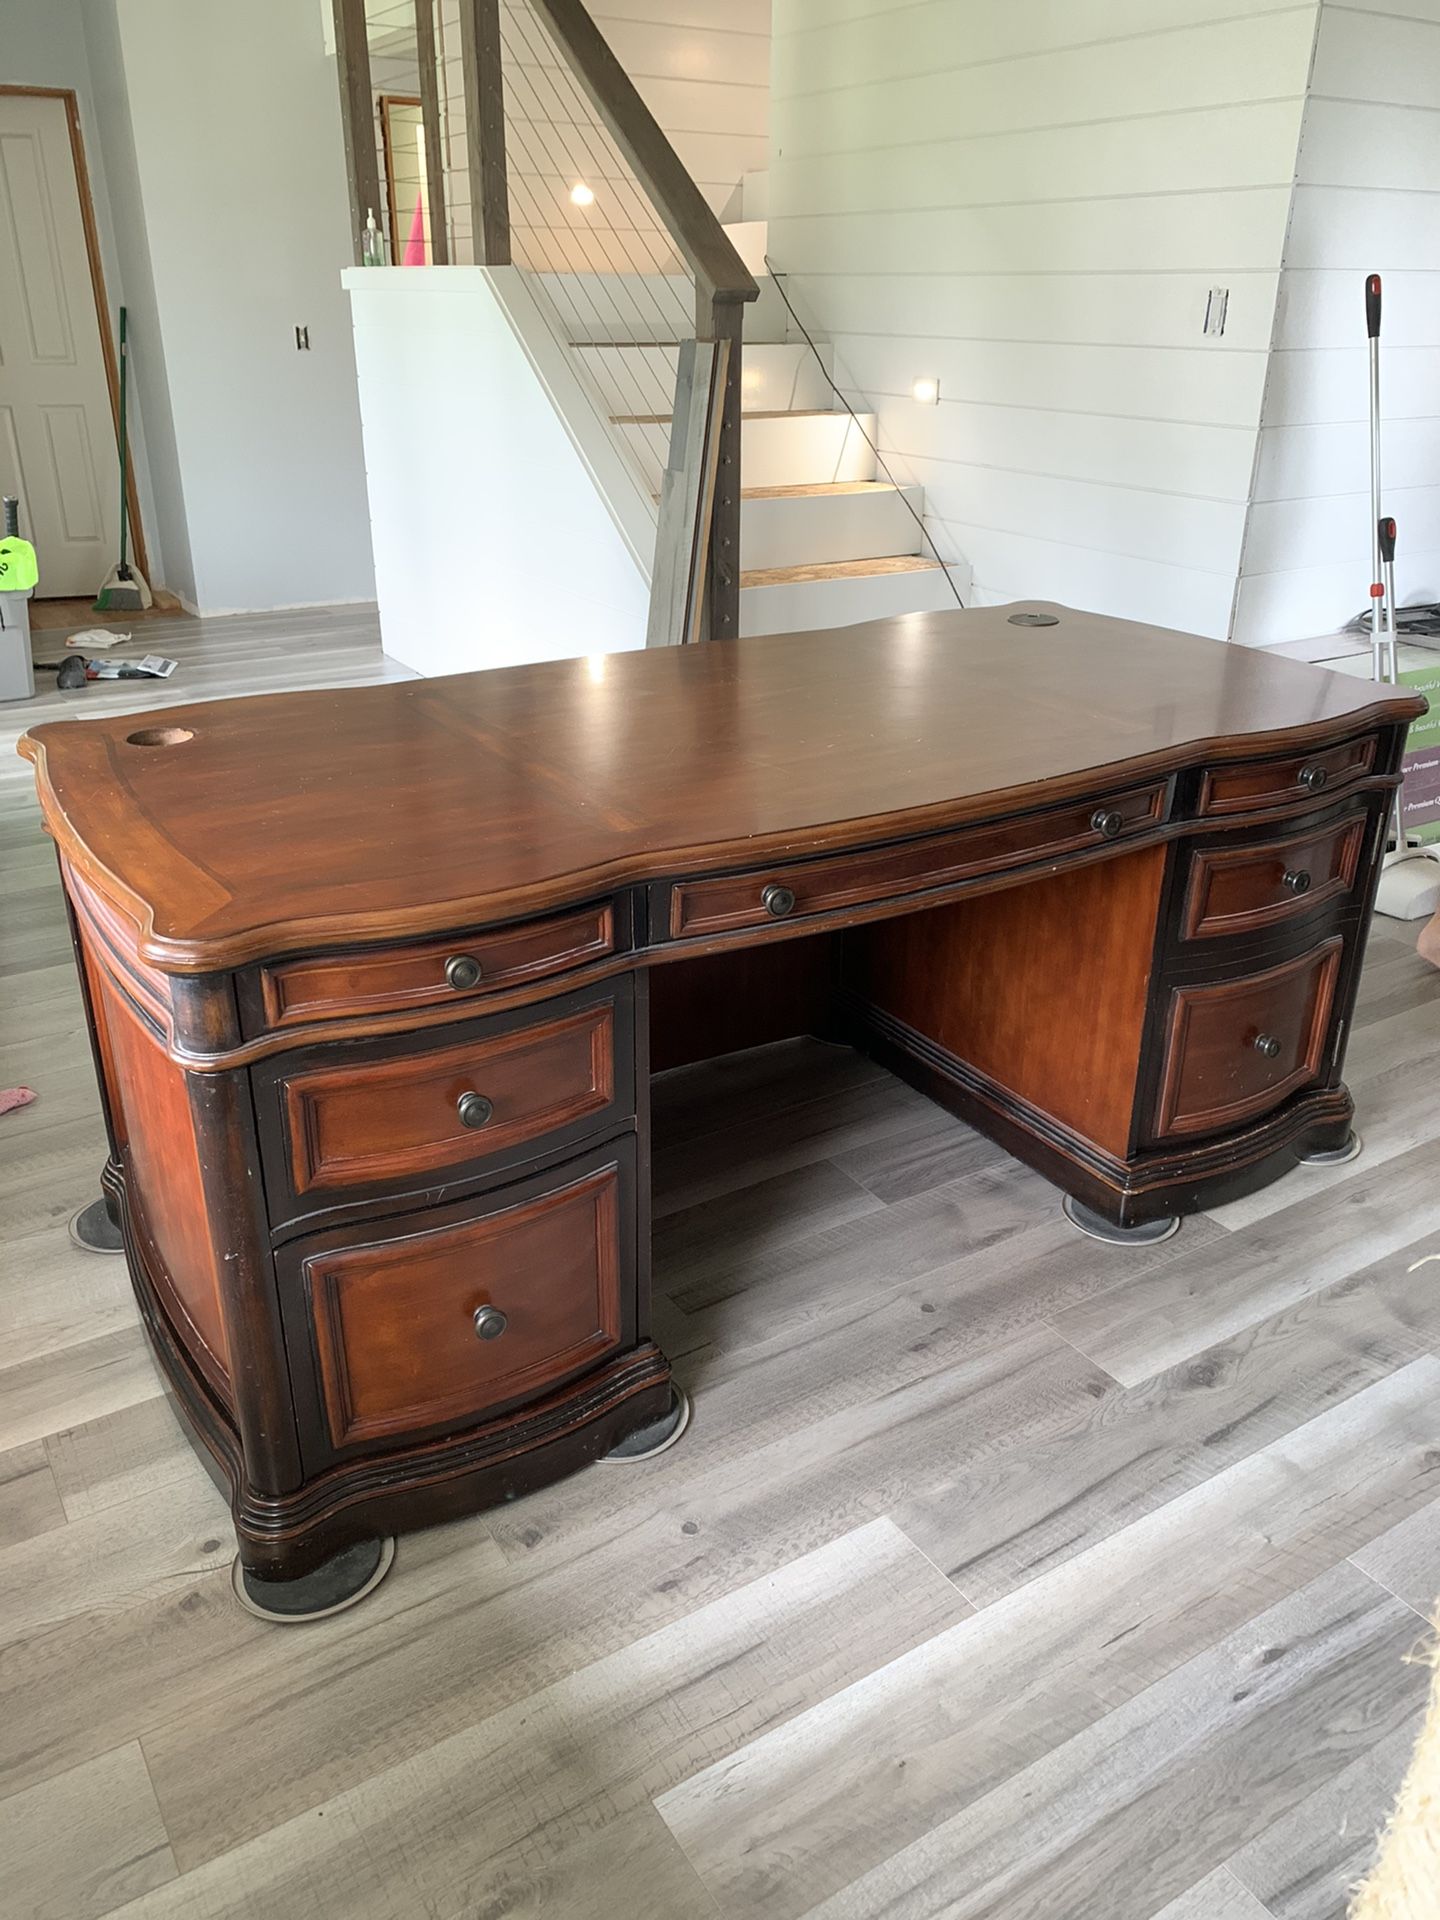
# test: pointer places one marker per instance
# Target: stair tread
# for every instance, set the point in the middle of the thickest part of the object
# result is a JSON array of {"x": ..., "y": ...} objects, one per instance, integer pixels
[
  {"x": 818, "y": 487},
  {"x": 838, "y": 570}
]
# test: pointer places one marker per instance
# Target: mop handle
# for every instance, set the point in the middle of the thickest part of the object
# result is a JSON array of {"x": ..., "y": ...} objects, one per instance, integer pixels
[
  {"x": 1377, "y": 583},
  {"x": 124, "y": 512},
  {"x": 1385, "y": 532},
  {"x": 1385, "y": 538}
]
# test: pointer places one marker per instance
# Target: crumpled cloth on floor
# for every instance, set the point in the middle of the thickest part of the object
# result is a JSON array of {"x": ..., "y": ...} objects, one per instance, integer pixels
[{"x": 15, "y": 1097}]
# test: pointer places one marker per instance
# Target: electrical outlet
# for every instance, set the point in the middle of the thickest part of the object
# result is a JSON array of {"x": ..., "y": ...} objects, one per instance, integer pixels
[
  {"x": 1215, "y": 305},
  {"x": 302, "y": 339}
]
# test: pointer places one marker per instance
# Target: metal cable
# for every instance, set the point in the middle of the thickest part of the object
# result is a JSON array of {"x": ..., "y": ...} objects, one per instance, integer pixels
[{"x": 879, "y": 457}]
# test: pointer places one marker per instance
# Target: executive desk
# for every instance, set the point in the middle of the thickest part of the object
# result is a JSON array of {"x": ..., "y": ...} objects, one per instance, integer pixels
[{"x": 374, "y": 974}]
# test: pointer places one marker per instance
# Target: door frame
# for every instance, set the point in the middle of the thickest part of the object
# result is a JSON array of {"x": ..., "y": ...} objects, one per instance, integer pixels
[
  {"x": 387, "y": 141},
  {"x": 102, "y": 304}
]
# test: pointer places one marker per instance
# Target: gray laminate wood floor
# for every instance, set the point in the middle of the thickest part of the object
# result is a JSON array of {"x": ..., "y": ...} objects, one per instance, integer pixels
[{"x": 1000, "y": 1574}]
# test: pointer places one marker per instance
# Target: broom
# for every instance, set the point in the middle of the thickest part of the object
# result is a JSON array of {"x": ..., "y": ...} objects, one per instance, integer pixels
[{"x": 123, "y": 590}]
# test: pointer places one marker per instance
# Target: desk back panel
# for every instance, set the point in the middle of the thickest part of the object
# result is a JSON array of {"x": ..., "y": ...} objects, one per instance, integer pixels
[{"x": 1042, "y": 988}]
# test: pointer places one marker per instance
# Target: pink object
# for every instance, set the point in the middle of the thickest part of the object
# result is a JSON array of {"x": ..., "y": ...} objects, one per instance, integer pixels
[
  {"x": 15, "y": 1097},
  {"x": 415, "y": 245}
]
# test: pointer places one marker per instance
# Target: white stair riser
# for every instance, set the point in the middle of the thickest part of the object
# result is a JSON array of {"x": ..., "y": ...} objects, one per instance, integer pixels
[
  {"x": 749, "y": 239},
  {"x": 808, "y": 529},
  {"x": 641, "y": 379},
  {"x": 786, "y": 450},
  {"x": 804, "y": 605},
  {"x": 775, "y": 377},
  {"x": 803, "y": 450}
]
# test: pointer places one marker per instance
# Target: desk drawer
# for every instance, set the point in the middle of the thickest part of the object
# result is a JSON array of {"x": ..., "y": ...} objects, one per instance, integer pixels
[
  {"x": 435, "y": 1321},
  {"x": 1256, "y": 784},
  {"x": 426, "y": 973},
  {"x": 1236, "y": 1048},
  {"x": 1239, "y": 890},
  {"x": 395, "y": 1115},
  {"x": 825, "y": 886}
]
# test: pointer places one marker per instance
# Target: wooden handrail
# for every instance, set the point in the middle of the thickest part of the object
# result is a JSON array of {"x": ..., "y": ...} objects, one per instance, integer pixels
[{"x": 721, "y": 276}]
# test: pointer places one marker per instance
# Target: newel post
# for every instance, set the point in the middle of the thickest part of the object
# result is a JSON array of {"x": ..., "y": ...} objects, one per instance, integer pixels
[
  {"x": 357, "y": 119},
  {"x": 484, "y": 82}
]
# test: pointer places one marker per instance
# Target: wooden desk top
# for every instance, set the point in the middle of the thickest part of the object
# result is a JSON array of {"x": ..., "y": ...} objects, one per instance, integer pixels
[{"x": 306, "y": 819}]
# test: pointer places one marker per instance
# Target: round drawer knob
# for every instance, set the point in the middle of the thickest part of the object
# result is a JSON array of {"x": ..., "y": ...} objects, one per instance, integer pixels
[
  {"x": 777, "y": 902},
  {"x": 1312, "y": 779},
  {"x": 1107, "y": 823},
  {"x": 1267, "y": 1046},
  {"x": 1296, "y": 881},
  {"x": 474, "y": 1109},
  {"x": 490, "y": 1323},
  {"x": 462, "y": 970}
]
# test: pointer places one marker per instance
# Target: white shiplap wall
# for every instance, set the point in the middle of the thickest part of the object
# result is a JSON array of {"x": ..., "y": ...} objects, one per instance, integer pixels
[
  {"x": 1030, "y": 199},
  {"x": 1367, "y": 198}
]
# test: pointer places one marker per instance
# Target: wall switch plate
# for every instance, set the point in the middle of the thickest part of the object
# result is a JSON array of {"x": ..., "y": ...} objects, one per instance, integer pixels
[
  {"x": 302, "y": 339},
  {"x": 1215, "y": 305}
]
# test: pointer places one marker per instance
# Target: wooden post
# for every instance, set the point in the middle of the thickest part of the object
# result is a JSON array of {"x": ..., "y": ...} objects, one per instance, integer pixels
[
  {"x": 434, "y": 144},
  {"x": 722, "y": 602},
  {"x": 485, "y": 131},
  {"x": 679, "y": 600},
  {"x": 357, "y": 118}
]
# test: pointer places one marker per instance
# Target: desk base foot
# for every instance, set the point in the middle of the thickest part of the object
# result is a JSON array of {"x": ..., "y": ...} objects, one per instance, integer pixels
[
  {"x": 95, "y": 1228},
  {"x": 1350, "y": 1148},
  {"x": 1149, "y": 1234},
  {"x": 340, "y": 1583},
  {"x": 654, "y": 1438}
]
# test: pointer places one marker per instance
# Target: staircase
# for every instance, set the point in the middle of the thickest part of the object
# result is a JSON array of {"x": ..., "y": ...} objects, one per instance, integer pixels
[{"x": 825, "y": 541}]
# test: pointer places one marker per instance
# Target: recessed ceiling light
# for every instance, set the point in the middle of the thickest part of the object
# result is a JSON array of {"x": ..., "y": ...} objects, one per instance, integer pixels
[
  {"x": 581, "y": 195},
  {"x": 926, "y": 391}
]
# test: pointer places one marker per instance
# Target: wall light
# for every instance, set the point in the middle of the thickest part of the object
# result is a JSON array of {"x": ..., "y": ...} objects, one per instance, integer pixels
[
  {"x": 926, "y": 391},
  {"x": 581, "y": 195}
]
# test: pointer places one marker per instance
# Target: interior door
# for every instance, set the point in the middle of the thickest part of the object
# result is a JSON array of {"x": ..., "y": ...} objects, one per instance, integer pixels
[{"x": 57, "y": 431}]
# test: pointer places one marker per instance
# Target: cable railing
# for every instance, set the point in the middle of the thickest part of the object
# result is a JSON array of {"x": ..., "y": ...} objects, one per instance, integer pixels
[{"x": 540, "y": 153}]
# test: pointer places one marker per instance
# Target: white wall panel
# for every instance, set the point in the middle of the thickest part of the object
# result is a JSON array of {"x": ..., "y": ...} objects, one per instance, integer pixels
[
  {"x": 1230, "y": 146},
  {"x": 1327, "y": 308},
  {"x": 1203, "y": 535},
  {"x": 1176, "y": 384},
  {"x": 1031, "y": 200},
  {"x": 840, "y": 100},
  {"x": 1162, "y": 233},
  {"x": 1308, "y": 388},
  {"x": 868, "y": 38},
  {"x": 1377, "y": 56},
  {"x": 1022, "y": 567},
  {"x": 1209, "y": 462},
  {"x": 1272, "y": 607},
  {"x": 1128, "y": 309},
  {"x": 1367, "y": 199},
  {"x": 1286, "y": 535},
  {"x": 1301, "y": 463}
]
